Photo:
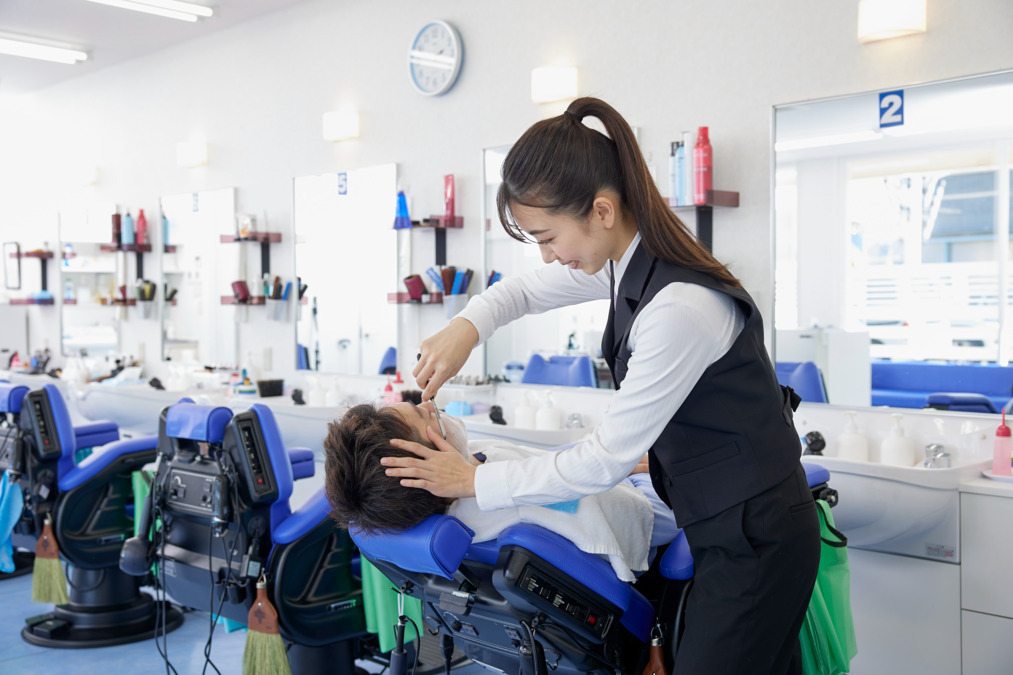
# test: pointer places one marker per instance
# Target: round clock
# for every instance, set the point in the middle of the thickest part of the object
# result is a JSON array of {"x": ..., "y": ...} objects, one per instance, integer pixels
[{"x": 434, "y": 58}]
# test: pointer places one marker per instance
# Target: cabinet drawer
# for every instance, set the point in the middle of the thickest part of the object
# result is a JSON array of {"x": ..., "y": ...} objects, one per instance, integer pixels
[{"x": 986, "y": 538}]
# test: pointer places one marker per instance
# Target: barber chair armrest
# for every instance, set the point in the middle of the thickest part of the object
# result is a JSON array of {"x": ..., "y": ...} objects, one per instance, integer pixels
[
  {"x": 302, "y": 521},
  {"x": 677, "y": 563},
  {"x": 303, "y": 465},
  {"x": 961, "y": 401},
  {"x": 435, "y": 546},
  {"x": 197, "y": 422},
  {"x": 106, "y": 455},
  {"x": 94, "y": 434},
  {"x": 816, "y": 474},
  {"x": 11, "y": 396}
]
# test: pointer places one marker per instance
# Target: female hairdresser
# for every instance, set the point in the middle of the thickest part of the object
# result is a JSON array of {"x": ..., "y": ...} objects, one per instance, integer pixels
[{"x": 696, "y": 390}]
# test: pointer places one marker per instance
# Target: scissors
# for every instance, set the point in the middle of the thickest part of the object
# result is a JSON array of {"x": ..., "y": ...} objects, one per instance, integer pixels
[{"x": 439, "y": 420}]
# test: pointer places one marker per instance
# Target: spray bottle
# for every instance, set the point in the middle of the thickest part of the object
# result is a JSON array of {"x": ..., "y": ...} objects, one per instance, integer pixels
[
  {"x": 702, "y": 166},
  {"x": 1001, "y": 453}
]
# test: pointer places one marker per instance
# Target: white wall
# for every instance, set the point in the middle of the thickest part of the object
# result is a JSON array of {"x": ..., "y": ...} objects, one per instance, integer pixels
[{"x": 257, "y": 92}]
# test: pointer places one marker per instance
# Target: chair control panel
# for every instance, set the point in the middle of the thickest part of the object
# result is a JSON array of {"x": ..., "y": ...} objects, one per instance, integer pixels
[
  {"x": 47, "y": 440},
  {"x": 190, "y": 491},
  {"x": 248, "y": 449},
  {"x": 544, "y": 591}
]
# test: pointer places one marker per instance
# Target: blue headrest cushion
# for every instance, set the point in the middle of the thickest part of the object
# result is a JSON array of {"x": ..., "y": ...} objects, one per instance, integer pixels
[
  {"x": 816, "y": 474},
  {"x": 435, "y": 546},
  {"x": 11, "y": 396},
  {"x": 197, "y": 422}
]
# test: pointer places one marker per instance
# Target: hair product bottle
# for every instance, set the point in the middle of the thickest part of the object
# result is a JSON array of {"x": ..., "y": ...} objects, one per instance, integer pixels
[
  {"x": 673, "y": 174},
  {"x": 851, "y": 444},
  {"x": 117, "y": 227},
  {"x": 127, "y": 234},
  {"x": 702, "y": 166},
  {"x": 688, "y": 177},
  {"x": 897, "y": 449},
  {"x": 142, "y": 228},
  {"x": 1001, "y": 453}
]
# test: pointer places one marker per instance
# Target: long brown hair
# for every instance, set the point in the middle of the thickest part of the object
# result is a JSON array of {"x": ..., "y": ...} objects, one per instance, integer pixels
[{"x": 561, "y": 165}]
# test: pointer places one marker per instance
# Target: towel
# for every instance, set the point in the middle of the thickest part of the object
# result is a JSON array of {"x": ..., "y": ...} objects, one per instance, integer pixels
[
  {"x": 12, "y": 502},
  {"x": 615, "y": 524}
]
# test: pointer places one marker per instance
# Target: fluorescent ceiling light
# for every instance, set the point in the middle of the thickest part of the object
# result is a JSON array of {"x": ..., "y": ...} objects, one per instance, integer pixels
[
  {"x": 823, "y": 141},
  {"x": 34, "y": 50},
  {"x": 172, "y": 9}
]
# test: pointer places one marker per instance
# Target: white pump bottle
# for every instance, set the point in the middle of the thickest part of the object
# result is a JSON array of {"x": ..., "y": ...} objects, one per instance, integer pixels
[
  {"x": 851, "y": 444},
  {"x": 897, "y": 449}
]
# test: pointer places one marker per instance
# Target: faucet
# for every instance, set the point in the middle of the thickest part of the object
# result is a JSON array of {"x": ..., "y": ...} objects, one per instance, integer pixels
[{"x": 936, "y": 457}]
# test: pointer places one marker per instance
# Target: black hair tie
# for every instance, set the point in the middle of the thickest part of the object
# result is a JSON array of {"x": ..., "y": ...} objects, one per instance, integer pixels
[{"x": 574, "y": 116}]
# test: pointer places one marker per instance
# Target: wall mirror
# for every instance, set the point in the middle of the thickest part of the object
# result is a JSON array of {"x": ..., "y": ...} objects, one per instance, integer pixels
[
  {"x": 12, "y": 265},
  {"x": 92, "y": 274},
  {"x": 569, "y": 330},
  {"x": 892, "y": 232},
  {"x": 196, "y": 274},
  {"x": 346, "y": 255}
]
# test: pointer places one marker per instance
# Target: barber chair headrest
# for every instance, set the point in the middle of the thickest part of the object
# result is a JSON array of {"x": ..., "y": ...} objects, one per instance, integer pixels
[
  {"x": 11, "y": 396},
  {"x": 251, "y": 435},
  {"x": 47, "y": 427},
  {"x": 194, "y": 422},
  {"x": 435, "y": 546}
]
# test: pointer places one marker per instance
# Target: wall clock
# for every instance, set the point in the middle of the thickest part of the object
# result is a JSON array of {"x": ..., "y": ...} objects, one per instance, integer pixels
[{"x": 434, "y": 58}]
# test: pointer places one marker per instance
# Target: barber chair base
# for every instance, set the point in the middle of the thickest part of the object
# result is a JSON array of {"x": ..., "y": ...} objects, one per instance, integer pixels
[
  {"x": 24, "y": 563},
  {"x": 338, "y": 657},
  {"x": 106, "y": 608}
]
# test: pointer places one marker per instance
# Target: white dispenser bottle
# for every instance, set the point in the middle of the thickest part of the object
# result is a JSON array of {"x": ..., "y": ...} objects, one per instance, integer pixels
[
  {"x": 851, "y": 444},
  {"x": 897, "y": 449}
]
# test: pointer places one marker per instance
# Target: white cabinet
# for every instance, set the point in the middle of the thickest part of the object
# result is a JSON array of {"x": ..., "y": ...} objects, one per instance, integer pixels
[
  {"x": 987, "y": 541},
  {"x": 987, "y": 644}
]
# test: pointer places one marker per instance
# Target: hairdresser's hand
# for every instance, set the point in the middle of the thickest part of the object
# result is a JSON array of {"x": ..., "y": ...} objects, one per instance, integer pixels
[
  {"x": 643, "y": 466},
  {"x": 443, "y": 354},
  {"x": 444, "y": 472}
]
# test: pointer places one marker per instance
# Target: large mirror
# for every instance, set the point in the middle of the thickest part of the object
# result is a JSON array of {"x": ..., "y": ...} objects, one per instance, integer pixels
[
  {"x": 92, "y": 274},
  {"x": 571, "y": 330},
  {"x": 892, "y": 240},
  {"x": 346, "y": 256},
  {"x": 197, "y": 271}
]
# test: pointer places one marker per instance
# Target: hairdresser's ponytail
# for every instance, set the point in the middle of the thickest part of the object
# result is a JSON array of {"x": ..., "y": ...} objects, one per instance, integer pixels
[{"x": 662, "y": 232}]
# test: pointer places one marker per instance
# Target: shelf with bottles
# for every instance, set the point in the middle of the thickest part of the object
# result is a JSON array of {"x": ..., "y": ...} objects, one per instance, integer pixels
[
  {"x": 405, "y": 298},
  {"x": 265, "y": 239},
  {"x": 252, "y": 300},
  {"x": 705, "y": 212},
  {"x": 32, "y": 301},
  {"x": 39, "y": 253}
]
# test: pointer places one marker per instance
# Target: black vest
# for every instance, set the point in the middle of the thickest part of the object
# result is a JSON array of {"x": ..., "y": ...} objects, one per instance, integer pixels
[{"x": 734, "y": 436}]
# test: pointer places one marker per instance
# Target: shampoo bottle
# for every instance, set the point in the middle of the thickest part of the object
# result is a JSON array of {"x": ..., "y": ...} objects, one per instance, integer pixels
[
  {"x": 127, "y": 233},
  {"x": 688, "y": 178},
  {"x": 549, "y": 418},
  {"x": 389, "y": 395},
  {"x": 897, "y": 449},
  {"x": 673, "y": 174},
  {"x": 702, "y": 163},
  {"x": 1001, "y": 454},
  {"x": 524, "y": 416},
  {"x": 851, "y": 444},
  {"x": 142, "y": 228}
]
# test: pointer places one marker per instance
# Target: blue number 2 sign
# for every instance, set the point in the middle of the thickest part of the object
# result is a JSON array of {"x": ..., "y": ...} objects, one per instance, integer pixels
[{"x": 891, "y": 108}]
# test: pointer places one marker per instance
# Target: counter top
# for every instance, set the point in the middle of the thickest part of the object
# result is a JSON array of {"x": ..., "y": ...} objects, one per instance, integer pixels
[{"x": 987, "y": 486}]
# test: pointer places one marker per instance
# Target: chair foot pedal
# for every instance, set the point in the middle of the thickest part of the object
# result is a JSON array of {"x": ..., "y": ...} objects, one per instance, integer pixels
[{"x": 51, "y": 628}]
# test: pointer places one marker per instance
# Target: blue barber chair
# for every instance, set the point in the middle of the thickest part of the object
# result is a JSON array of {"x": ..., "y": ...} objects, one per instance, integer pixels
[
  {"x": 805, "y": 378},
  {"x": 567, "y": 371},
  {"x": 88, "y": 504},
  {"x": 962, "y": 402},
  {"x": 531, "y": 600},
  {"x": 222, "y": 493}
]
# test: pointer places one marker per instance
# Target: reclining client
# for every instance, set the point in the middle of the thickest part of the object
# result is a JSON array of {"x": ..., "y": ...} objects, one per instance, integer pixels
[{"x": 622, "y": 524}]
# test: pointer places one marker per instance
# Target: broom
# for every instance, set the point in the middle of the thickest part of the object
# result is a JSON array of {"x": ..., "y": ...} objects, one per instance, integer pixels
[
  {"x": 265, "y": 650},
  {"x": 48, "y": 583}
]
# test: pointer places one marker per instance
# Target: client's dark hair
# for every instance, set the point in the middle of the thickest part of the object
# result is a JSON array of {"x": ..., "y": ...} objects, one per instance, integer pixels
[{"x": 357, "y": 487}]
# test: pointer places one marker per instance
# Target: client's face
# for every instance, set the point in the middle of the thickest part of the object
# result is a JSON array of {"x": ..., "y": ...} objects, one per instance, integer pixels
[{"x": 418, "y": 417}]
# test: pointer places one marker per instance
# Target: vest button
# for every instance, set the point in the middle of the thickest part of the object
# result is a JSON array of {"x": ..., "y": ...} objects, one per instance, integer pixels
[{"x": 668, "y": 481}]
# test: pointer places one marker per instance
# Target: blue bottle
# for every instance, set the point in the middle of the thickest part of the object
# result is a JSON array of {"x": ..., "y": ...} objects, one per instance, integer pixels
[{"x": 127, "y": 233}]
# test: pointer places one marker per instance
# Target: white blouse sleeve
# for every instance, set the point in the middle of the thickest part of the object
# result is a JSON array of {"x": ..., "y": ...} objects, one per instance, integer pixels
[{"x": 683, "y": 330}]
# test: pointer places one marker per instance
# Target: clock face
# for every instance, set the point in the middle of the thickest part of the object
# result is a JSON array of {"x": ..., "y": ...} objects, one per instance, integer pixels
[{"x": 434, "y": 59}]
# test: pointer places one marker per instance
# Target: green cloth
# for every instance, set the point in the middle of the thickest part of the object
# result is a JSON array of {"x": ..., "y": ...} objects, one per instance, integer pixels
[
  {"x": 828, "y": 632},
  {"x": 379, "y": 598},
  {"x": 141, "y": 484}
]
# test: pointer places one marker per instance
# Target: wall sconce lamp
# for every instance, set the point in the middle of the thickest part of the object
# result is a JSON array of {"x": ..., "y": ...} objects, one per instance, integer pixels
[
  {"x": 340, "y": 125},
  {"x": 190, "y": 154},
  {"x": 884, "y": 19},
  {"x": 553, "y": 83}
]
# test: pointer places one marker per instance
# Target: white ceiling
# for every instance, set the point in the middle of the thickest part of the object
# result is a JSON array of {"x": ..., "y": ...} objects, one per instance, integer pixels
[{"x": 110, "y": 35}]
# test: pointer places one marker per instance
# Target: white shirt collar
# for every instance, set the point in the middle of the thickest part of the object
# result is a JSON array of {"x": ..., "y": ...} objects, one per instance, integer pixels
[{"x": 624, "y": 262}]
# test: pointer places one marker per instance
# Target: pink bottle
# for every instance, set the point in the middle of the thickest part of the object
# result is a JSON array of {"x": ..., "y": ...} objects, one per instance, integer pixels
[
  {"x": 1001, "y": 455},
  {"x": 702, "y": 166}
]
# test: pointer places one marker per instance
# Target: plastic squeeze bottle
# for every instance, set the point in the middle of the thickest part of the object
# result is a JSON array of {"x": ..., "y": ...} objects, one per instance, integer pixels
[
  {"x": 897, "y": 449},
  {"x": 1001, "y": 454},
  {"x": 702, "y": 166},
  {"x": 142, "y": 228},
  {"x": 851, "y": 444}
]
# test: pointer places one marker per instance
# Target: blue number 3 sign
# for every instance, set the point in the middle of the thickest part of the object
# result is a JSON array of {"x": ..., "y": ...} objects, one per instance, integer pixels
[{"x": 891, "y": 108}]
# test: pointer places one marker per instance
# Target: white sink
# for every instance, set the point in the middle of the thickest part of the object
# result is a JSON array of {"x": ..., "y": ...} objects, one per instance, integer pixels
[{"x": 480, "y": 427}]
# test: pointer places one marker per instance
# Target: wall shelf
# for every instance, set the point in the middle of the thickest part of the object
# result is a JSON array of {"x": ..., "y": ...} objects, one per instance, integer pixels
[
  {"x": 705, "y": 212},
  {"x": 404, "y": 298},
  {"x": 43, "y": 258},
  {"x": 439, "y": 225},
  {"x": 253, "y": 300},
  {"x": 32, "y": 301},
  {"x": 265, "y": 239}
]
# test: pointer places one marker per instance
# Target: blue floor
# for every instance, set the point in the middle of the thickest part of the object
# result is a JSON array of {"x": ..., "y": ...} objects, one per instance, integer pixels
[{"x": 185, "y": 646}]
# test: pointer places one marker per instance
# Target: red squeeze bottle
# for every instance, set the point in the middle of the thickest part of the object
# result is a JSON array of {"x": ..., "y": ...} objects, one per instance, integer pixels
[
  {"x": 142, "y": 228},
  {"x": 702, "y": 167}
]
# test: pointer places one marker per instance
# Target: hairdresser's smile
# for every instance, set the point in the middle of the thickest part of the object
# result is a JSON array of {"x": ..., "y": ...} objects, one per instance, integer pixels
[{"x": 580, "y": 244}]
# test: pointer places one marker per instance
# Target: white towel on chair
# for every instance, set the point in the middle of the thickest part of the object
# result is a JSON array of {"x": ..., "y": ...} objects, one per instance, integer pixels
[{"x": 616, "y": 524}]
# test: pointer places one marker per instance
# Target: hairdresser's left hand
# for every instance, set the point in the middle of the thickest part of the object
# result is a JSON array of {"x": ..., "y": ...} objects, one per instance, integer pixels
[
  {"x": 643, "y": 466},
  {"x": 443, "y": 472}
]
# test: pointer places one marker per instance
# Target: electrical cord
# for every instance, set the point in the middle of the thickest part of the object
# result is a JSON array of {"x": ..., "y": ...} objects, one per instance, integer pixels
[
  {"x": 158, "y": 515},
  {"x": 226, "y": 469}
]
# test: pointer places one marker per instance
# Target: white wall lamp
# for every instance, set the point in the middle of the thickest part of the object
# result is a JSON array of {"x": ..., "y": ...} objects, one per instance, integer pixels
[
  {"x": 172, "y": 9},
  {"x": 884, "y": 19},
  {"x": 340, "y": 125},
  {"x": 32, "y": 49},
  {"x": 190, "y": 154},
  {"x": 553, "y": 83}
]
